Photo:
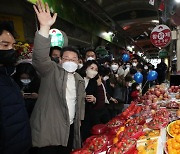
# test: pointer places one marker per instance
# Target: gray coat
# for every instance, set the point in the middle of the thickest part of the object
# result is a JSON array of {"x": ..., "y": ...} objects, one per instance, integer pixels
[{"x": 50, "y": 118}]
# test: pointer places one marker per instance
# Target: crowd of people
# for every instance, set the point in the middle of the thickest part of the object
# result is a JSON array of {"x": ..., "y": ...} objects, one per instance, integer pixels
[{"x": 52, "y": 104}]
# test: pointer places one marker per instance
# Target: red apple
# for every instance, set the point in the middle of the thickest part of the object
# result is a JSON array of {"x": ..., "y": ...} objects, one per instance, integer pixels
[
  {"x": 172, "y": 87},
  {"x": 176, "y": 87},
  {"x": 158, "y": 93},
  {"x": 155, "y": 100},
  {"x": 147, "y": 93},
  {"x": 150, "y": 97},
  {"x": 170, "y": 90},
  {"x": 152, "y": 90},
  {"x": 148, "y": 102},
  {"x": 153, "y": 111},
  {"x": 162, "y": 91},
  {"x": 154, "y": 106},
  {"x": 143, "y": 101},
  {"x": 165, "y": 95},
  {"x": 160, "y": 97}
]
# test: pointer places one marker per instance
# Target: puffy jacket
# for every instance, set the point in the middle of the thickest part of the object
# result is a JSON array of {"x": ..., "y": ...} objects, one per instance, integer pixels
[{"x": 15, "y": 134}]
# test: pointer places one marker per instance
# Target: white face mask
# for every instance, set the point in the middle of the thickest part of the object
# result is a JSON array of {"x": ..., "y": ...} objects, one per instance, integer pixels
[
  {"x": 138, "y": 87},
  {"x": 25, "y": 81},
  {"x": 134, "y": 64},
  {"x": 127, "y": 66},
  {"x": 146, "y": 67},
  {"x": 70, "y": 66},
  {"x": 105, "y": 78},
  {"x": 90, "y": 58},
  {"x": 114, "y": 67},
  {"x": 80, "y": 66},
  {"x": 130, "y": 84},
  {"x": 91, "y": 73}
]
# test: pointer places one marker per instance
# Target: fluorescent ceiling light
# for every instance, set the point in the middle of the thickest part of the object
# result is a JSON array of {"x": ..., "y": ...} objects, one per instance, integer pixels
[
  {"x": 155, "y": 21},
  {"x": 107, "y": 34},
  {"x": 177, "y": 1},
  {"x": 110, "y": 33}
]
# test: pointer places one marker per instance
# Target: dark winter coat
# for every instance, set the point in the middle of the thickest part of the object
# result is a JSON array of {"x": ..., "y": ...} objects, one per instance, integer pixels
[{"x": 15, "y": 135}]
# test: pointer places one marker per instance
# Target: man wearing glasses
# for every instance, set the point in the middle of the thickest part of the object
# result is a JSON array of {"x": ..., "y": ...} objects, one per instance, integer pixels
[{"x": 57, "y": 115}]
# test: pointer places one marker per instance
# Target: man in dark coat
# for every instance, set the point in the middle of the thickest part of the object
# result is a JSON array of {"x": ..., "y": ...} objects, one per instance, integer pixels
[
  {"x": 15, "y": 135},
  {"x": 161, "y": 70}
]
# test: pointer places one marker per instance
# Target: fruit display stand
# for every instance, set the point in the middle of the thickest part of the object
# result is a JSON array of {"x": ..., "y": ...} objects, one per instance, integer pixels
[{"x": 141, "y": 127}]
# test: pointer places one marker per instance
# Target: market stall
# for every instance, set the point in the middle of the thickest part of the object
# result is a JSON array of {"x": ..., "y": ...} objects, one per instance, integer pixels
[{"x": 148, "y": 126}]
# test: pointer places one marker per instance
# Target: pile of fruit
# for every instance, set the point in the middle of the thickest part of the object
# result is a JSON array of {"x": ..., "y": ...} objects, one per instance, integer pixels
[
  {"x": 153, "y": 95},
  {"x": 172, "y": 105},
  {"x": 150, "y": 133},
  {"x": 148, "y": 146},
  {"x": 96, "y": 144},
  {"x": 125, "y": 146},
  {"x": 174, "y": 128},
  {"x": 160, "y": 119},
  {"x": 174, "y": 89},
  {"x": 138, "y": 126},
  {"x": 132, "y": 109},
  {"x": 173, "y": 145}
]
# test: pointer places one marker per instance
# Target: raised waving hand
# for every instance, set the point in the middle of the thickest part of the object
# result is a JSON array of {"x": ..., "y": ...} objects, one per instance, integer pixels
[{"x": 44, "y": 17}]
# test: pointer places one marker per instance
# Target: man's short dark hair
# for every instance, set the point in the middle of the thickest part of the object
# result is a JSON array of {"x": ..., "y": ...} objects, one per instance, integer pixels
[
  {"x": 90, "y": 49},
  {"x": 54, "y": 48},
  {"x": 69, "y": 48},
  {"x": 133, "y": 71},
  {"x": 6, "y": 26},
  {"x": 128, "y": 78},
  {"x": 134, "y": 58}
]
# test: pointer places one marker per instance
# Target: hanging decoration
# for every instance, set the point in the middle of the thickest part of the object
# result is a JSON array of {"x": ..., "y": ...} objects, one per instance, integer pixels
[
  {"x": 152, "y": 75},
  {"x": 161, "y": 36},
  {"x": 138, "y": 77},
  {"x": 58, "y": 38},
  {"x": 125, "y": 57},
  {"x": 161, "y": 6},
  {"x": 151, "y": 2}
]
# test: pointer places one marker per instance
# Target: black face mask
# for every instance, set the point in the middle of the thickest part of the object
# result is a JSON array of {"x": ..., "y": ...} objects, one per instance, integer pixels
[
  {"x": 56, "y": 59},
  {"x": 8, "y": 57}
]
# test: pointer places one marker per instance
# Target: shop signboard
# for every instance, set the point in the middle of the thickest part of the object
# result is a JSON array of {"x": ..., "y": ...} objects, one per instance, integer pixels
[
  {"x": 163, "y": 53},
  {"x": 161, "y": 36},
  {"x": 57, "y": 38}
]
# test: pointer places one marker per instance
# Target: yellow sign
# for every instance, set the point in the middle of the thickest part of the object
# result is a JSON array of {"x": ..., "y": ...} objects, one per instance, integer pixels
[{"x": 17, "y": 23}]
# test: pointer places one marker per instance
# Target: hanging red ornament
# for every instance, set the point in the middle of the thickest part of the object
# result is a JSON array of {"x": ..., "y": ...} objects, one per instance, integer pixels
[{"x": 162, "y": 6}]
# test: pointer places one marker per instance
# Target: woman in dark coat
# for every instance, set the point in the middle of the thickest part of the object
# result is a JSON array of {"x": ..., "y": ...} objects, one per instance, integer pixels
[
  {"x": 89, "y": 72},
  {"x": 29, "y": 82}
]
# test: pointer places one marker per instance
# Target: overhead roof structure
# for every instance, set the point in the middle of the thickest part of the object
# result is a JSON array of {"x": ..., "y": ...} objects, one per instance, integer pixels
[{"x": 133, "y": 19}]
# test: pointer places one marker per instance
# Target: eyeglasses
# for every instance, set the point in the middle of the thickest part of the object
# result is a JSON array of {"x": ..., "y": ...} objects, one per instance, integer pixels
[{"x": 67, "y": 59}]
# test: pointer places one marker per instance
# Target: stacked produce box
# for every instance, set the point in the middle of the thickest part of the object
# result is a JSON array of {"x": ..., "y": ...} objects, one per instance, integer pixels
[{"x": 148, "y": 126}]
